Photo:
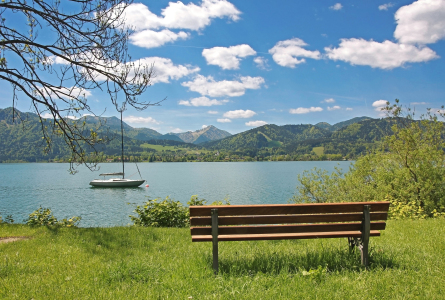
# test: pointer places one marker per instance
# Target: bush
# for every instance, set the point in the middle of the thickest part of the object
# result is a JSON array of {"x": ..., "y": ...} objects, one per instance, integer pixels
[
  {"x": 7, "y": 220},
  {"x": 167, "y": 212},
  {"x": 45, "y": 217}
]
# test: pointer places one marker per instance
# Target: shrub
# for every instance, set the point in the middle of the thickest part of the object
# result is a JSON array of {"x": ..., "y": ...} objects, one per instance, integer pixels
[
  {"x": 45, "y": 217},
  {"x": 408, "y": 171},
  {"x": 165, "y": 213},
  {"x": 195, "y": 201},
  {"x": 7, "y": 220}
]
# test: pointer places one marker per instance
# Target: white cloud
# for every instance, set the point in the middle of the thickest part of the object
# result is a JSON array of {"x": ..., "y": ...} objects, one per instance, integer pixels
[
  {"x": 223, "y": 120},
  {"x": 194, "y": 17},
  {"x": 212, "y": 112},
  {"x": 47, "y": 116},
  {"x": 261, "y": 62},
  {"x": 56, "y": 60},
  {"x": 140, "y": 120},
  {"x": 336, "y": 6},
  {"x": 204, "y": 126},
  {"x": 418, "y": 103},
  {"x": 176, "y": 15},
  {"x": 386, "y": 6},
  {"x": 256, "y": 123},
  {"x": 438, "y": 110},
  {"x": 202, "y": 101},
  {"x": 65, "y": 93},
  {"x": 349, "y": 108},
  {"x": 209, "y": 87},
  {"x": 335, "y": 107},
  {"x": 165, "y": 70},
  {"x": 379, "y": 104},
  {"x": 386, "y": 55},
  {"x": 239, "y": 114},
  {"x": 150, "y": 39},
  {"x": 286, "y": 53},
  {"x": 227, "y": 58},
  {"x": 328, "y": 100},
  {"x": 50, "y": 116},
  {"x": 304, "y": 110},
  {"x": 421, "y": 22},
  {"x": 177, "y": 130}
]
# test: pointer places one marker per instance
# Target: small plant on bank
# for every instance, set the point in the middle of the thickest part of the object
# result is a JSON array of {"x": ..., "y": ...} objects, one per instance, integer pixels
[
  {"x": 168, "y": 212},
  {"x": 161, "y": 213},
  {"x": 45, "y": 217},
  {"x": 195, "y": 201},
  {"x": 316, "y": 274},
  {"x": 8, "y": 220}
]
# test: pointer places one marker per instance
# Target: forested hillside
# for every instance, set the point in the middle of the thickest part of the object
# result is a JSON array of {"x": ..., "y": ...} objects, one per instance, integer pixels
[{"x": 22, "y": 141}]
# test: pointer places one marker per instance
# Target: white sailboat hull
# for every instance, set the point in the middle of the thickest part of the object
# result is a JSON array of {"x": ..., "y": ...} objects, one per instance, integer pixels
[{"x": 116, "y": 182}]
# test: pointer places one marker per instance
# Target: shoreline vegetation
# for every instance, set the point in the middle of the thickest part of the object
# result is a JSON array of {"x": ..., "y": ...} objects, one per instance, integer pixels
[{"x": 118, "y": 161}]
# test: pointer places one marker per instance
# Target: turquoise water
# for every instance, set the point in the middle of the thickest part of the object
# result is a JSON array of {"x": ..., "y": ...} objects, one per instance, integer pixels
[{"x": 25, "y": 187}]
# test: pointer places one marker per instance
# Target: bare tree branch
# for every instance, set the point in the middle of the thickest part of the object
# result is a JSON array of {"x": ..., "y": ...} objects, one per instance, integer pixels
[{"x": 88, "y": 50}]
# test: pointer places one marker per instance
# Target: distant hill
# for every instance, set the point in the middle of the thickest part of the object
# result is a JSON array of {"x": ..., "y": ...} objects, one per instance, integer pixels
[
  {"x": 22, "y": 140},
  {"x": 339, "y": 125},
  {"x": 269, "y": 135},
  {"x": 354, "y": 139},
  {"x": 141, "y": 134},
  {"x": 349, "y": 139},
  {"x": 209, "y": 133}
]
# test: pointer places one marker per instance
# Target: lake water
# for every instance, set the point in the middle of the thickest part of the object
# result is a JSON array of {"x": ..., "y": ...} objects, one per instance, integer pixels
[{"x": 26, "y": 187}]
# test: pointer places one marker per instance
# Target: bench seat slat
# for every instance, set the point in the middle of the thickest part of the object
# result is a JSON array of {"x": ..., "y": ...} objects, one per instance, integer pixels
[
  {"x": 286, "y": 228},
  {"x": 282, "y": 236},
  {"x": 286, "y": 219},
  {"x": 283, "y": 209}
]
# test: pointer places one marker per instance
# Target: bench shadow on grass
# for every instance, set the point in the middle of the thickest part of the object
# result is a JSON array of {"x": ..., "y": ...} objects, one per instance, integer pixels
[{"x": 332, "y": 260}]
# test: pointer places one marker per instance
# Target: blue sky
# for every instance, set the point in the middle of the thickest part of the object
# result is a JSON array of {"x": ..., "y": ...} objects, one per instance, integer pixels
[{"x": 238, "y": 64}]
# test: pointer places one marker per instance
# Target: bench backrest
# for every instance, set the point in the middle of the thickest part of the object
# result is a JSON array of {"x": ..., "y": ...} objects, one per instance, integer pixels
[{"x": 287, "y": 218}]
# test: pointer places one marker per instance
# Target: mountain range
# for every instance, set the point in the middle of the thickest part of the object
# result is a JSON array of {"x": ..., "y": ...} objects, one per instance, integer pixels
[
  {"x": 345, "y": 139},
  {"x": 206, "y": 134}
]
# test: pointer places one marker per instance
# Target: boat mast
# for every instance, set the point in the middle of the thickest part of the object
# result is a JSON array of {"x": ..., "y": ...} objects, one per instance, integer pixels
[{"x": 122, "y": 137}]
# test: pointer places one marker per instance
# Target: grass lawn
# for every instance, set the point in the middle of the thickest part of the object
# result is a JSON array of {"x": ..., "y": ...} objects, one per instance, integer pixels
[
  {"x": 407, "y": 262},
  {"x": 318, "y": 150},
  {"x": 160, "y": 147}
]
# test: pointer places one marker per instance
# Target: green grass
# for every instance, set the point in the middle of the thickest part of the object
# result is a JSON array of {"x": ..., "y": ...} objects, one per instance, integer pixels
[
  {"x": 318, "y": 150},
  {"x": 274, "y": 144},
  {"x": 159, "y": 263},
  {"x": 160, "y": 147}
]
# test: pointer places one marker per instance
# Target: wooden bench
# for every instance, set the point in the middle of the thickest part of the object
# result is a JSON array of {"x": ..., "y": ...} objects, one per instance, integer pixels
[{"x": 356, "y": 221}]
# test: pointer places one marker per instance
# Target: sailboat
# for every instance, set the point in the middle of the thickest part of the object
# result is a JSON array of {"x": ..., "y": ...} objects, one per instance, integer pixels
[{"x": 118, "y": 182}]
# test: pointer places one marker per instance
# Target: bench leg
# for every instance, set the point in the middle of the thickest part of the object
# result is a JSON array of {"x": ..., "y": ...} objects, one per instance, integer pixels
[
  {"x": 366, "y": 231},
  {"x": 215, "y": 239}
]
